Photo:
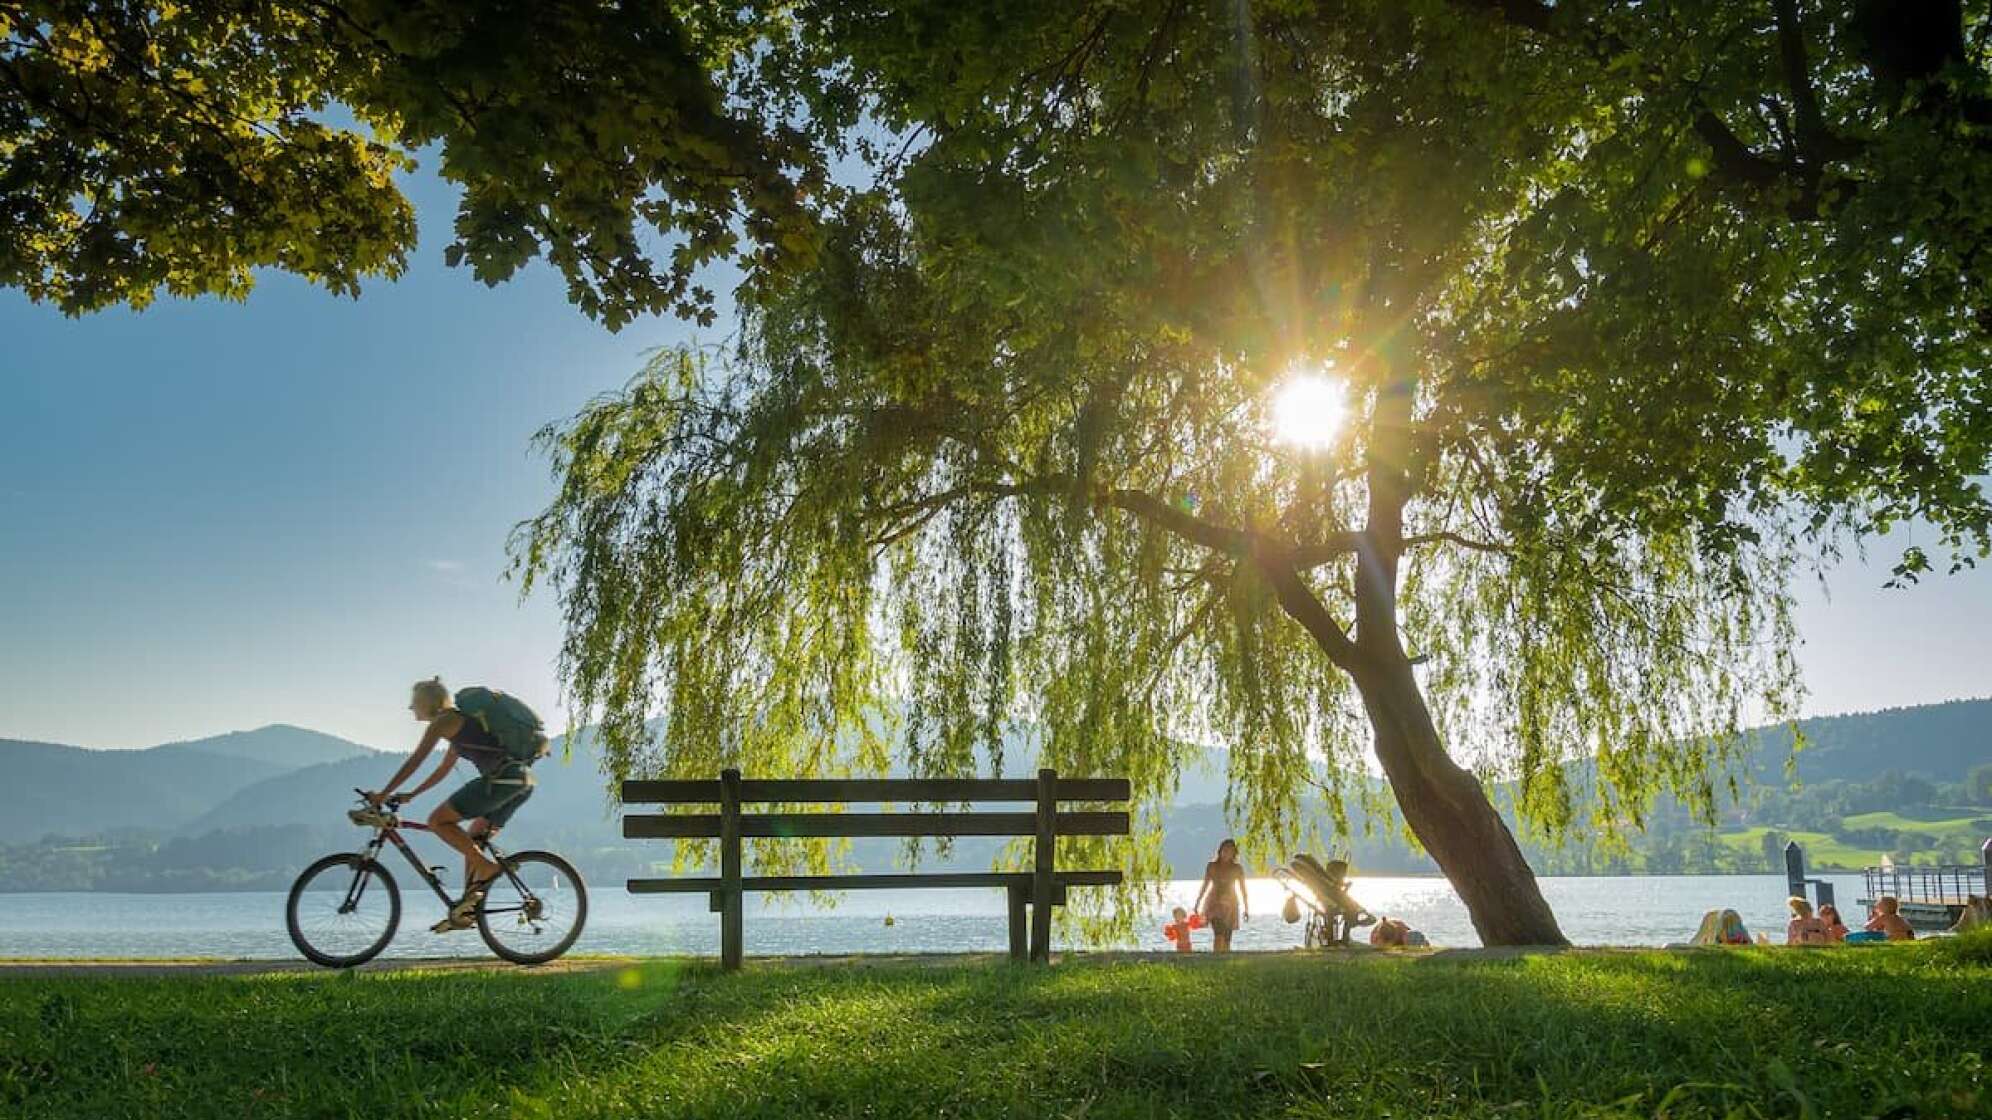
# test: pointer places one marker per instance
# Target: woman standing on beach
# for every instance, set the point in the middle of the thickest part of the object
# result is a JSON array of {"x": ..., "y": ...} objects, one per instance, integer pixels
[{"x": 1221, "y": 899}]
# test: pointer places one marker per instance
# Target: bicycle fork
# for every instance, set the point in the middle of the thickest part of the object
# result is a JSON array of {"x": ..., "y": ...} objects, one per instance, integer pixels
[{"x": 357, "y": 889}]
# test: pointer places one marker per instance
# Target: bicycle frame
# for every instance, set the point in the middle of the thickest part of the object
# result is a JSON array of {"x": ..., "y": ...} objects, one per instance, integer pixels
[{"x": 386, "y": 834}]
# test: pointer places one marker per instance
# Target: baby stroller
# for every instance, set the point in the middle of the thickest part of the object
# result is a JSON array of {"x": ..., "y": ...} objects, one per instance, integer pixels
[{"x": 1322, "y": 890}]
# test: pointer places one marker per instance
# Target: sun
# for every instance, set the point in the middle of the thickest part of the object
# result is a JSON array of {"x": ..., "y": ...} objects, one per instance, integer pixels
[{"x": 1308, "y": 411}]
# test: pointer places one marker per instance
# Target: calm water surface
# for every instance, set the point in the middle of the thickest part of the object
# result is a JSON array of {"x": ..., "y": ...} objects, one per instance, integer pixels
[{"x": 1593, "y": 911}]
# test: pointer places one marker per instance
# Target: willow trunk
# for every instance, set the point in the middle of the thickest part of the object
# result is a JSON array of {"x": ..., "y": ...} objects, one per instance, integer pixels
[
  {"x": 1448, "y": 810},
  {"x": 1444, "y": 805}
]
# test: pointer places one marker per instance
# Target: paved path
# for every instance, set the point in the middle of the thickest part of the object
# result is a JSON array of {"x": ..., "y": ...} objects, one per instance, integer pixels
[
  {"x": 154, "y": 968},
  {"x": 24, "y": 968}
]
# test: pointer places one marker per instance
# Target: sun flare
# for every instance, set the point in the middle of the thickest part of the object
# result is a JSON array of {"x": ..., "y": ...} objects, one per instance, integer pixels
[{"x": 1308, "y": 411}]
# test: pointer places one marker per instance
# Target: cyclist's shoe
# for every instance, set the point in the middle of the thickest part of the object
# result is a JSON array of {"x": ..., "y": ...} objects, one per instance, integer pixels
[{"x": 463, "y": 914}]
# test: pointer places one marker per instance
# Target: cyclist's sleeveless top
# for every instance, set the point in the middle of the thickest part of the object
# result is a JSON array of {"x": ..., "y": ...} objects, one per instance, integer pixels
[{"x": 479, "y": 746}]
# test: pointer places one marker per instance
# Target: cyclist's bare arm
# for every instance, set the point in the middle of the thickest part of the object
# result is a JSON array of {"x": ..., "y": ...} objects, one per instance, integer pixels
[
  {"x": 430, "y": 738},
  {"x": 449, "y": 761}
]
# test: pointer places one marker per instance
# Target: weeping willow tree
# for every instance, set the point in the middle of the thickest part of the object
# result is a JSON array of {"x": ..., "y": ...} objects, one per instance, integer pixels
[
  {"x": 1626, "y": 308},
  {"x": 1010, "y": 454}
]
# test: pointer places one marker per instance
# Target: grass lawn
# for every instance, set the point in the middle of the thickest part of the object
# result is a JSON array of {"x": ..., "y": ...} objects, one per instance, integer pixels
[{"x": 1894, "y": 1031}]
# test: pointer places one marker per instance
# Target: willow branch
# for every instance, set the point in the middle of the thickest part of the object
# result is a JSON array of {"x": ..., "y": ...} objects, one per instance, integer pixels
[
  {"x": 1447, "y": 536},
  {"x": 1301, "y": 605},
  {"x": 1198, "y": 618}
]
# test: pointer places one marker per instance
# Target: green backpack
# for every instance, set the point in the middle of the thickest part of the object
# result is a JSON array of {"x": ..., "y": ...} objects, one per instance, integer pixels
[{"x": 509, "y": 721}]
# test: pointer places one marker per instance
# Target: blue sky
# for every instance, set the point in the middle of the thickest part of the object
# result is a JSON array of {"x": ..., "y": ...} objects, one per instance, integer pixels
[{"x": 215, "y": 516}]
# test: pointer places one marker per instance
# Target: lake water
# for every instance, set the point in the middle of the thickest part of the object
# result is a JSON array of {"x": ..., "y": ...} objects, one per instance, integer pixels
[{"x": 1650, "y": 910}]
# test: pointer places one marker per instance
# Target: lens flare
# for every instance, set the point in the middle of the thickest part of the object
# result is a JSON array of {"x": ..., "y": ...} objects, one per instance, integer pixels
[{"x": 1308, "y": 412}]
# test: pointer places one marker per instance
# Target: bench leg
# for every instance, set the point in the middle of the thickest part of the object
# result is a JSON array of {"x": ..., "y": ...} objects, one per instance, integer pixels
[
  {"x": 732, "y": 932},
  {"x": 1019, "y": 931},
  {"x": 1042, "y": 884},
  {"x": 732, "y": 939}
]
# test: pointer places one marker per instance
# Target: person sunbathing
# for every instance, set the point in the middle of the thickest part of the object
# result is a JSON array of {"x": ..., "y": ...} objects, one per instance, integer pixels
[
  {"x": 1977, "y": 912},
  {"x": 1393, "y": 933},
  {"x": 1720, "y": 927},
  {"x": 1836, "y": 930},
  {"x": 1805, "y": 928},
  {"x": 1887, "y": 919}
]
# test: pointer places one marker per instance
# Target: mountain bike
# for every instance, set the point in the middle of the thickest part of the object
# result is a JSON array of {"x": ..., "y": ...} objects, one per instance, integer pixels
[{"x": 344, "y": 908}]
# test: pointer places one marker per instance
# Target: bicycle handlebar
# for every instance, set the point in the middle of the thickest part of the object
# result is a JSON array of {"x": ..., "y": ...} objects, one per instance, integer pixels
[{"x": 393, "y": 799}]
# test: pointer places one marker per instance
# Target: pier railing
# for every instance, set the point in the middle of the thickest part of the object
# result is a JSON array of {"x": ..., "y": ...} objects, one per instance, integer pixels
[{"x": 1948, "y": 885}]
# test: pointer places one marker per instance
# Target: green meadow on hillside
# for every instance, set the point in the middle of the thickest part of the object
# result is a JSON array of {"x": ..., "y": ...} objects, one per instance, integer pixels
[
  {"x": 1953, "y": 835},
  {"x": 1959, "y": 826},
  {"x": 1894, "y": 1031},
  {"x": 1822, "y": 850}
]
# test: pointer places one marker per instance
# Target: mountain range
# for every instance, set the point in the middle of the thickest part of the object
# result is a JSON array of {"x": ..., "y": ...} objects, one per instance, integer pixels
[
  {"x": 73, "y": 791},
  {"x": 256, "y": 801}
]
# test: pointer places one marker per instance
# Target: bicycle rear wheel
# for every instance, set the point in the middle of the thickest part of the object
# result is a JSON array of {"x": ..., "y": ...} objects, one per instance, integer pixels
[
  {"x": 343, "y": 910},
  {"x": 534, "y": 911}
]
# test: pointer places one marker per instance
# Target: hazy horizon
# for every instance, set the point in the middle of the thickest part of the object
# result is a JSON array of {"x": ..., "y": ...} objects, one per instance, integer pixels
[{"x": 413, "y": 734}]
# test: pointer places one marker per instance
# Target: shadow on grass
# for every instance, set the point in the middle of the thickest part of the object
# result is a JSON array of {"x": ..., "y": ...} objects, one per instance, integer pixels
[{"x": 1562, "y": 1034}]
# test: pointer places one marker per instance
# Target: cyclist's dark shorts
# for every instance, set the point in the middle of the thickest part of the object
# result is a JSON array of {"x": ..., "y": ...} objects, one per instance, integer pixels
[{"x": 494, "y": 796}]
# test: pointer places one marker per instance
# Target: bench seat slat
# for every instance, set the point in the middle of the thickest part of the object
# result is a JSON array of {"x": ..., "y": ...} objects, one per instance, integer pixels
[
  {"x": 872, "y": 882},
  {"x": 705, "y": 826},
  {"x": 704, "y": 791}
]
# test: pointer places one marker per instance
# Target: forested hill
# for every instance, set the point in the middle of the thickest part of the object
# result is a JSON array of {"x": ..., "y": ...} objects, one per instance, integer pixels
[{"x": 1937, "y": 741}]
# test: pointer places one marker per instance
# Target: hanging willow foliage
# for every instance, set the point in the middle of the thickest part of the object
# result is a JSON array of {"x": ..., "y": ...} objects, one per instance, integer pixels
[
  {"x": 1633, "y": 305},
  {"x": 812, "y": 556},
  {"x": 994, "y": 480}
]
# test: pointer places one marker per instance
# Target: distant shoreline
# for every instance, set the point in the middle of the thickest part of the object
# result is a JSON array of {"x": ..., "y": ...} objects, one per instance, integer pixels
[{"x": 1357, "y": 878}]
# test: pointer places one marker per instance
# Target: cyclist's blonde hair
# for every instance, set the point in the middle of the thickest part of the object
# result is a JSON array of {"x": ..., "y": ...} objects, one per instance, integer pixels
[{"x": 434, "y": 689}]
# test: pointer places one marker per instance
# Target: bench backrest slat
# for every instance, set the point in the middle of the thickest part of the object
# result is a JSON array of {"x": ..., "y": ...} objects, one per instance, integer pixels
[
  {"x": 799, "y": 791},
  {"x": 705, "y": 826}
]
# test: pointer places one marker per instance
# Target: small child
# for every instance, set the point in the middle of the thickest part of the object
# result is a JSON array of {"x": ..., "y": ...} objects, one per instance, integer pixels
[
  {"x": 1804, "y": 928},
  {"x": 1887, "y": 919},
  {"x": 1178, "y": 931}
]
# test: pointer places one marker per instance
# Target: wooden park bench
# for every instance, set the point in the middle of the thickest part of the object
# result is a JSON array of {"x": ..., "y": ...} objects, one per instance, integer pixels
[{"x": 1032, "y": 894}]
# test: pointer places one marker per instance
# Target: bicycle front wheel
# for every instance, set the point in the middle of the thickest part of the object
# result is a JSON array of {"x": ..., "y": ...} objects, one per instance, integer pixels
[
  {"x": 535, "y": 910},
  {"x": 343, "y": 910}
]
